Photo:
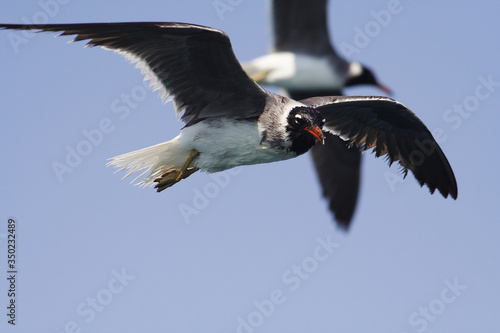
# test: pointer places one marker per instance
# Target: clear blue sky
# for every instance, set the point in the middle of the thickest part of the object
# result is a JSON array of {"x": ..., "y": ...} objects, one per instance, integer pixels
[{"x": 255, "y": 250}]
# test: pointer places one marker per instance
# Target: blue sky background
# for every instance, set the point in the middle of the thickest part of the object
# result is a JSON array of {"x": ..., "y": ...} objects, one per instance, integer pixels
[{"x": 99, "y": 255}]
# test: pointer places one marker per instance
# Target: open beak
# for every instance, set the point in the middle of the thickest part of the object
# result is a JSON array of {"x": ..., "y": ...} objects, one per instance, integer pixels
[{"x": 317, "y": 133}]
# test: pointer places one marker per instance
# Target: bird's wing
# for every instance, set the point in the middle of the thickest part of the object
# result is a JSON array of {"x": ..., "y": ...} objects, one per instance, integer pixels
[
  {"x": 391, "y": 129},
  {"x": 300, "y": 26},
  {"x": 338, "y": 169},
  {"x": 193, "y": 65}
]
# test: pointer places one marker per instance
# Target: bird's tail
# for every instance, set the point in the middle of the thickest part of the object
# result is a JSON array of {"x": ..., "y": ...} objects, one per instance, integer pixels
[{"x": 157, "y": 160}]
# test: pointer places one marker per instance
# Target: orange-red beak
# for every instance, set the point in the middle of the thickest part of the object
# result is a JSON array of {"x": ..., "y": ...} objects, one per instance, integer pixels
[
  {"x": 317, "y": 133},
  {"x": 384, "y": 89}
]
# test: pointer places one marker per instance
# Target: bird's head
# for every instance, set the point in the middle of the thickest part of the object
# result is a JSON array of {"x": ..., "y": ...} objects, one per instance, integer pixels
[
  {"x": 359, "y": 74},
  {"x": 304, "y": 128}
]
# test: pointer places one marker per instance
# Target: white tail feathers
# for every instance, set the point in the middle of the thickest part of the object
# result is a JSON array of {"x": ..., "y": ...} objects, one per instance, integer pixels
[{"x": 153, "y": 159}]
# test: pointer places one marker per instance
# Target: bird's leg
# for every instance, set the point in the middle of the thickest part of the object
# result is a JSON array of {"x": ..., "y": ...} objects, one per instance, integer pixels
[
  {"x": 259, "y": 75},
  {"x": 170, "y": 178},
  {"x": 185, "y": 168}
]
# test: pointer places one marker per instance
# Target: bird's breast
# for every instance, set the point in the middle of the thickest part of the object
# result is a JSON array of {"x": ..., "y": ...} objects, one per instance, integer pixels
[
  {"x": 225, "y": 144},
  {"x": 298, "y": 71}
]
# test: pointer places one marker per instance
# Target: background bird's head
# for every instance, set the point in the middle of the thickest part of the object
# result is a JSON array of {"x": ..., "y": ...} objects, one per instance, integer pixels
[
  {"x": 359, "y": 74},
  {"x": 304, "y": 128}
]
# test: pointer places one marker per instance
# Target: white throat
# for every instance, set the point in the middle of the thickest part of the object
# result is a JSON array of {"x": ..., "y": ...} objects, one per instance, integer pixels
[{"x": 355, "y": 69}]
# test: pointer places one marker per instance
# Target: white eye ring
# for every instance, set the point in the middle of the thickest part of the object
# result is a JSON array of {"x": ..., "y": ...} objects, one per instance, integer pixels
[{"x": 298, "y": 116}]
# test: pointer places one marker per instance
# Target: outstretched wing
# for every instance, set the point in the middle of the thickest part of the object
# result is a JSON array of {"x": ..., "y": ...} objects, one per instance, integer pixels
[
  {"x": 338, "y": 169},
  {"x": 391, "y": 129},
  {"x": 193, "y": 65},
  {"x": 300, "y": 26}
]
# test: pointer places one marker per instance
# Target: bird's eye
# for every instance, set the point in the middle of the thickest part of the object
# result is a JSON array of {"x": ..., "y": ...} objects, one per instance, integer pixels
[{"x": 298, "y": 119}]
